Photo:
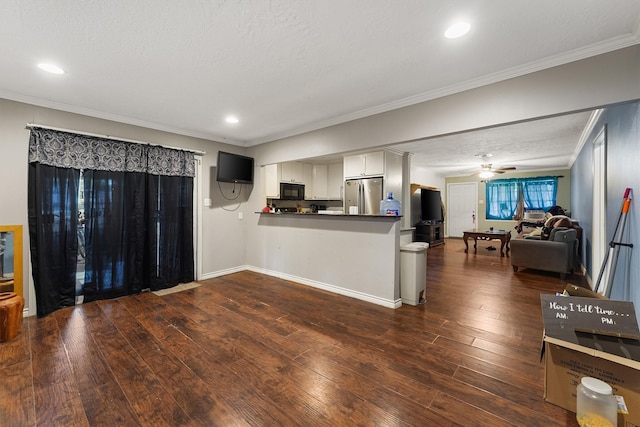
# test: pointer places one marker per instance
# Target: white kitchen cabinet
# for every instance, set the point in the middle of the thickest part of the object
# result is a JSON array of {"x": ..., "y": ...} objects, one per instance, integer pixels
[
  {"x": 271, "y": 182},
  {"x": 353, "y": 166},
  {"x": 367, "y": 164},
  {"x": 306, "y": 173},
  {"x": 335, "y": 181},
  {"x": 296, "y": 172},
  {"x": 317, "y": 190}
]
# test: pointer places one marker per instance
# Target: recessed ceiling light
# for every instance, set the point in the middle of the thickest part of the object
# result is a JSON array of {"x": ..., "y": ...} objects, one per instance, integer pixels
[
  {"x": 50, "y": 68},
  {"x": 231, "y": 119},
  {"x": 458, "y": 29}
]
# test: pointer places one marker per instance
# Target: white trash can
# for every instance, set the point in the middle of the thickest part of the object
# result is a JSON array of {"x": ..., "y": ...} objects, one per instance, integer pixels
[{"x": 413, "y": 272}]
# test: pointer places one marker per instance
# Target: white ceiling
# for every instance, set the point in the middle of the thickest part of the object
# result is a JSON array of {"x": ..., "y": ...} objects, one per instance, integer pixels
[
  {"x": 535, "y": 145},
  {"x": 289, "y": 66}
]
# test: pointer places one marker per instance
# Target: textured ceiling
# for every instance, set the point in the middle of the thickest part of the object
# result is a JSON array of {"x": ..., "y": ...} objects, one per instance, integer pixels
[
  {"x": 284, "y": 66},
  {"x": 539, "y": 144}
]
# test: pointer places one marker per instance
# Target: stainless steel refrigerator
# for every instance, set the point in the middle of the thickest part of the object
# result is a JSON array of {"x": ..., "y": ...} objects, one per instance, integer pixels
[{"x": 365, "y": 193}]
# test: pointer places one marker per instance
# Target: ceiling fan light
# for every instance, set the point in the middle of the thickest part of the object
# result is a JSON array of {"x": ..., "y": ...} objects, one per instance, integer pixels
[{"x": 486, "y": 174}]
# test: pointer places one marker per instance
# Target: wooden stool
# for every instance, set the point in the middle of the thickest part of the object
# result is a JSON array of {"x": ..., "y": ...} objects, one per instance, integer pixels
[{"x": 11, "y": 305}]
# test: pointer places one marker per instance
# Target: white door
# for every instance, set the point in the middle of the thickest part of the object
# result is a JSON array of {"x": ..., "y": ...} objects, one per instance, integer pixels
[{"x": 462, "y": 205}]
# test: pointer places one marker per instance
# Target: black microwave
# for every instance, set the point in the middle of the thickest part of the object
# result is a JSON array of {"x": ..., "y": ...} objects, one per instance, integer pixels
[{"x": 291, "y": 191}]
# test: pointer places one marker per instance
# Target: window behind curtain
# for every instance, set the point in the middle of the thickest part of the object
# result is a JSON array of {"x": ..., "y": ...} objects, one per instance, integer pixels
[
  {"x": 540, "y": 193},
  {"x": 138, "y": 206},
  {"x": 503, "y": 194},
  {"x": 502, "y": 199}
]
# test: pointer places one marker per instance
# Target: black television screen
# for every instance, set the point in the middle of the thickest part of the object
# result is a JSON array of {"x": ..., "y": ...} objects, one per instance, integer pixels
[
  {"x": 431, "y": 205},
  {"x": 234, "y": 168}
]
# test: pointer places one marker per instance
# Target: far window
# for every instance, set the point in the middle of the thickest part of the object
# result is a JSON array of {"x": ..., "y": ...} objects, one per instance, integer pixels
[{"x": 503, "y": 195}]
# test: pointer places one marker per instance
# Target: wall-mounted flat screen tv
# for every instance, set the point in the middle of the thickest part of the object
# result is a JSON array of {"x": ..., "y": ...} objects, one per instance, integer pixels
[
  {"x": 431, "y": 206},
  {"x": 234, "y": 168}
]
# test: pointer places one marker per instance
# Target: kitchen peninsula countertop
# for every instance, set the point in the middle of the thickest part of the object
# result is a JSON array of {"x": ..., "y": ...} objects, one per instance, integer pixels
[
  {"x": 353, "y": 255},
  {"x": 340, "y": 215}
]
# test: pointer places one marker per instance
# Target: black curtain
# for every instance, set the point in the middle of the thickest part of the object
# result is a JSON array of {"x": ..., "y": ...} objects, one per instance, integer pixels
[
  {"x": 170, "y": 201},
  {"x": 138, "y": 233},
  {"x": 53, "y": 227},
  {"x": 115, "y": 230},
  {"x": 138, "y": 204}
]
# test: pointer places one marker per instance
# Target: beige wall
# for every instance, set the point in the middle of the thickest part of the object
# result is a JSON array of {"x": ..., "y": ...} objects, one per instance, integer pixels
[
  {"x": 222, "y": 234},
  {"x": 563, "y": 196}
]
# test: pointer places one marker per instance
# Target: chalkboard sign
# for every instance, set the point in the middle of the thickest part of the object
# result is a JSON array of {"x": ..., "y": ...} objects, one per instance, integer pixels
[{"x": 604, "y": 325}]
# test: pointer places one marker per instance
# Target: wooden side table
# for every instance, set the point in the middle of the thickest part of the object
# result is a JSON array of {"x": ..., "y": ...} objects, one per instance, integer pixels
[
  {"x": 11, "y": 305},
  {"x": 6, "y": 285}
]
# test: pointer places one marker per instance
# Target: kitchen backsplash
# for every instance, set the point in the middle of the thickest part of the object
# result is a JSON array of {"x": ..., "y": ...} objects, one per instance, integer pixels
[{"x": 305, "y": 204}]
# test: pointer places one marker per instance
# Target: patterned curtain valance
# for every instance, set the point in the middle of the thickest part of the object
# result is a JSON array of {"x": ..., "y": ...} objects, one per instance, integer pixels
[{"x": 70, "y": 150}]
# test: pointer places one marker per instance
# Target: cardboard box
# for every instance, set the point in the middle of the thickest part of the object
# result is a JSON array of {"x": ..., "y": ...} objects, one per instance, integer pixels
[
  {"x": 566, "y": 365},
  {"x": 574, "y": 346}
]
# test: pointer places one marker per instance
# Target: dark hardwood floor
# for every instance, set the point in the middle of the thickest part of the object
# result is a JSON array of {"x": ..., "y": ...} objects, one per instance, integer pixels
[{"x": 247, "y": 349}]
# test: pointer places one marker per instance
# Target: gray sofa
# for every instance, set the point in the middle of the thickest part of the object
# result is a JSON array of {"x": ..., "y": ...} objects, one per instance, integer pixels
[{"x": 558, "y": 254}]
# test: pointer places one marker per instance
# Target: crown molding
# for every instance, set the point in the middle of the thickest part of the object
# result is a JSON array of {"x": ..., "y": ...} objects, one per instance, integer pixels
[
  {"x": 40, "y": 102},
  {"x": 610, "y": 45},
  {"x": 586, "y": 133},
  {"x": 621, "y": 42}
]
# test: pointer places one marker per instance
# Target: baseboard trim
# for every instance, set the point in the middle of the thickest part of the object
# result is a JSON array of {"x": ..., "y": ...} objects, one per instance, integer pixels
[
  {"x": 224, "y": 272},
  {"x": 312, "y": 283}
]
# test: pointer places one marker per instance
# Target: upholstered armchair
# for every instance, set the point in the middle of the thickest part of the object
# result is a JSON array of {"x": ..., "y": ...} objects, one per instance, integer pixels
[{"x": 558, "y": 254}]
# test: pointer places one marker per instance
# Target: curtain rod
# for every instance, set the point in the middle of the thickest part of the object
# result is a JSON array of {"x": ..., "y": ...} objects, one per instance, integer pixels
[{"x": 35, "y": 125}]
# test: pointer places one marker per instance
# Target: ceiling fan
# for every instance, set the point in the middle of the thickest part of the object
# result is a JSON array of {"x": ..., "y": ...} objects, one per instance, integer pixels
[{"x": 487, "y": 170}]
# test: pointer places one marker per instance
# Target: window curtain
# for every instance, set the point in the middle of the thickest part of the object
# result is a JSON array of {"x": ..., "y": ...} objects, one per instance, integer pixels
[
  {"x": 519, "y": 214},
  {"x": 171, "y": 202},
  {"x": 508, "y": 198},
  {"x": 53, "y": 221},
  {"x": 133, "y": 194},
  {"x": 115, "y": 233},
  {"x": 502, "y": 198},
  {"x": 540, "y": 193}
]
